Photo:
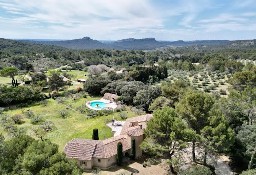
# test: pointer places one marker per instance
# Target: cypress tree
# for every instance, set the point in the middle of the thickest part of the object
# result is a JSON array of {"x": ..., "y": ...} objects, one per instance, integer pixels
[
  {"x": 95, "y": 135},
  {"x": 119, "y": 154},
  {"x": 16, "y": 83},
  {"x": 133, "y": 149},
  {"x": 13, "y": 82}
]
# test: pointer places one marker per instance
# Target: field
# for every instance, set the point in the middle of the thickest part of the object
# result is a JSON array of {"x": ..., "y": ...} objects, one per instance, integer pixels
[
  {"x": 210, "y": 82},
  {"x": 74, "y": 125}
]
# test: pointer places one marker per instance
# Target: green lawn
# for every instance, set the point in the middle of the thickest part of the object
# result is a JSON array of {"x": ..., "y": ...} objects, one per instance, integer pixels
[
  {"x": 76, "y": 125},
  {"x": 77, "y": 74},
  {"x": 5, "y": 80}
]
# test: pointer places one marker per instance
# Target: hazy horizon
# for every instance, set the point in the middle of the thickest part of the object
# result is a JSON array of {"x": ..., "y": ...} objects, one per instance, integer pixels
[{"x": 165, "y": 20}]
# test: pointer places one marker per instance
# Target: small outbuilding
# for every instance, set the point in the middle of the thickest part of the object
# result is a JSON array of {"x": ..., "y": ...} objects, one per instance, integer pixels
[{"x": 110, "y": 97}]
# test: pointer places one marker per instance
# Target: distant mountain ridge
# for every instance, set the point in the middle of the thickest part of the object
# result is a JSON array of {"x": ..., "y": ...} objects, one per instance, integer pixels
[{"x": 136, "y": 44}]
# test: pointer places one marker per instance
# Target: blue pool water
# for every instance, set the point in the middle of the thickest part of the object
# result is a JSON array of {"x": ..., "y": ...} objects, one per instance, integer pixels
[{"x": 97, "y": 104}]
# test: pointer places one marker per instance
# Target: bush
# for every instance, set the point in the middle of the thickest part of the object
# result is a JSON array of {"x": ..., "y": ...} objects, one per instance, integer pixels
[
  {"x": 223, "y": 92},
  {"x": 17, "y": 119},
  {"x": 93, "y": 113},
  {"x": 94, "y": 85},
  {"x": 249, "y": 172},
  {"x": 222, "y": 83},
  {"x": 6, "y": 122},
  {"x": 29, "y": 113},
  {"x": 123, "y": 115},
  {"x": 206, "y": 89},
  {"x": 64, "y": 113},
  {"x": 36, "y": 119},
  {"x": 196, "y": 170},
  {"x": 19, "y": 95},
  {"x": 82, "y": 109},
  {"x": 48, "y": 126}
]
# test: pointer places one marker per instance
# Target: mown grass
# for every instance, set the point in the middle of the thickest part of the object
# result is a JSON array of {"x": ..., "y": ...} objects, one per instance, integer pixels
[
  {"x": 5, "y": 80},
  {"x": 76, "y": 125},
  {"x": 76, "y": 74}
]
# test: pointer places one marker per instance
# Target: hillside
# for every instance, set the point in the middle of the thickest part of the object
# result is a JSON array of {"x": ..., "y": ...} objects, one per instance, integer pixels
[
  {"x": 83, "y": 43},
  {"x": 86, "y": 43}
]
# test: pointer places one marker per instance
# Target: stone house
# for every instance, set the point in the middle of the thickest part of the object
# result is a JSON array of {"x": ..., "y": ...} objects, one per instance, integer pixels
[{"x": 103, "y": 153}]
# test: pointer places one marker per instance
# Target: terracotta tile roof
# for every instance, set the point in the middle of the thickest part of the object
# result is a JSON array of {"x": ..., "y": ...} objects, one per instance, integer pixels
[
  {"x": 83, "y": 149},
  {"x": 108, "y": 148},
  {"x": 134, "y": 131},
  {"x": 80, "y": 149},
  {"x": 135, "y": 126}
]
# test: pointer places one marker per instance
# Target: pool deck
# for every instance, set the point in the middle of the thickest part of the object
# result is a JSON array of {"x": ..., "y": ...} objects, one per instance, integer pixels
[{"x": 115, "y": 128}]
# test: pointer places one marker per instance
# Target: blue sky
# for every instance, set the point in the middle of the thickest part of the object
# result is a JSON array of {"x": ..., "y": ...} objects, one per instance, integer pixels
[{"x": 118, "y": 19}]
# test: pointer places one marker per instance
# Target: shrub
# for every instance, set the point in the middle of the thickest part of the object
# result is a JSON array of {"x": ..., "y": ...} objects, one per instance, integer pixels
[
  {"x": 204, "y": 83},
  {"x": 196, "y": 170},
  {"x": 137, "y": 111},
  {"x": 82, "y": 109},
  {"x": 206, "y": 89},
  {"x": 120, "y": 108},
  {"x": 29, "y": 113},
  {"x": 17, "y": 119},
  {"x": 61, "y": 100},
  {"x": 222, "y": 82},
  {"x": 223, "y": 92},
  {"x": 91, "y": 113},
  {"x": 64, "y": 113},
  {"x": 6, "y": 122},
  {"x": 94, "y": 85},
  {"x": 123, "y": 115},
  {"x": 48, "y": 126},
  {"x": 19, "y": 95},
  {"x": 36, "y": 119}
]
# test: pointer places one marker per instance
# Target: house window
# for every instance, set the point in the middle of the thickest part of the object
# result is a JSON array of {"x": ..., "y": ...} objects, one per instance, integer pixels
[{"x": 99, "y": 160}]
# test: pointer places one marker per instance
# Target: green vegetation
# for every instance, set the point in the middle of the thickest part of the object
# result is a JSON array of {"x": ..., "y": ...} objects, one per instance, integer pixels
[
  {"x": 77, "y": 125},
  {"x": 119, "y": 154},
  {"x": 95, "y": 135},
  {"x": 203, "y": 99},
  {"x": 34, "y": 157}
]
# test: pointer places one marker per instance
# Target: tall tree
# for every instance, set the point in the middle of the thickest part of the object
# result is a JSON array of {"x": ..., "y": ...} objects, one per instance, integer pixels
[
  {"x": 195, "y": 108},
  {"x": 247, "y": 135},
  {"x": 166, "y": 133},
  {"x": 119, "y": 154},
  {"x": 9, "y": 71},
  {"x": 217, "y": 136},
  {"x": 212, "y": 129},
  {"x": 56, "y": 81},
  {"x": 146, "y": 96}
]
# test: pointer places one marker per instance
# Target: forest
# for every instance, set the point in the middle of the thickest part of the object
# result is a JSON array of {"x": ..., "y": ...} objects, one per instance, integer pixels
[{"x": 202, "y": 97}]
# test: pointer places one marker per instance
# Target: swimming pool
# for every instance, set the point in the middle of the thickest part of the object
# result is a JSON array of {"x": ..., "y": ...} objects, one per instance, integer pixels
[
  {"x": 98, "y": 104},
  {"x": 101, "y": 104}
]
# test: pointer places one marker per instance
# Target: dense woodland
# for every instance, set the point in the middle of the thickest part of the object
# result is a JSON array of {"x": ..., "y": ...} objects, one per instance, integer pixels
[{"x": 182, "y": 86}]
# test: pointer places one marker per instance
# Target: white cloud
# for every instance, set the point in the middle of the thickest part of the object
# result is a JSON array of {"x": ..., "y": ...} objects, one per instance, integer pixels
[
  {"x": 85, "y": 17},
  {"x": 116, "y": 19}
]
